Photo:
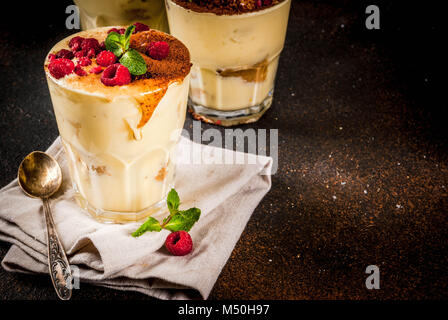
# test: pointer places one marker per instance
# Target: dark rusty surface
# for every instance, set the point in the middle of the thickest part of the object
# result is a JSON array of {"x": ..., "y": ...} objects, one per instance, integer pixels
[{"x": 362, "y": 171}]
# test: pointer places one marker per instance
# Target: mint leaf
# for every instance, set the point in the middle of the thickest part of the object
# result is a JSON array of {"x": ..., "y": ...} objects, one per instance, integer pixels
[
  {"x": 113, "y": 44},
  {"x": 152, "y": 224},
  {"x": 134, "y": 62},
  {"x": 177, "y": 219},
  {"x": 173, "y": 201},
  {"x": 127, "y": 36},
  {"x": 183, "y": 220},
  {"x": 122, "y": 41}
]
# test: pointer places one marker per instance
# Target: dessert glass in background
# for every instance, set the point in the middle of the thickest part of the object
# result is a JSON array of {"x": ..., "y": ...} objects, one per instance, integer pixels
[
  {"x": 120, "y": 141},
  {"x": 235, "y": 59},
  {"x": 101, "y": 13}
]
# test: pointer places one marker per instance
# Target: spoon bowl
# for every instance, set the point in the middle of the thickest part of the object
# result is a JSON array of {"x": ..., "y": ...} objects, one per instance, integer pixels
[{"x": 39, "y": 175}]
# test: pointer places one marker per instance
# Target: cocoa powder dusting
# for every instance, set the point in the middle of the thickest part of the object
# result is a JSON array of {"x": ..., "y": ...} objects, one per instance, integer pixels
[
  {"x": 160, "y": 72},
  {"x": 226, "y": 7},
  {"x": 176, "y": 65},
  {"x": 148, "y": 103}
]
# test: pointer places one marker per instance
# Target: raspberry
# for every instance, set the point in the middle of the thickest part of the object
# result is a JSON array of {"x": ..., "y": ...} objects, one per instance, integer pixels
[
  {"x": 158, "y": 50},
  {"x": 61, "y": 67},
  {"x": 51, "y": 57},
  {"x": 91, "y": 53},
  {"x": 258, "y": 3},
  {"x": 120, "y": 31},
  {"x": 179, "y": 243},
  {"x": 64, "y": 53},
  {"x": 75, "y": 43},
  {"x": 106, "y": 58},
  {"x": 96, "y": 70},
  {"x": 116, "y": 75},
  {"x": 80, "y": 71},
  {"x": 139, "y": 27},
  {"x": 81, "y": 53},
  {"x": 102, "y": 46},
  {"x": 90, "y": 43},
  {"x": 84, "y": 61}
]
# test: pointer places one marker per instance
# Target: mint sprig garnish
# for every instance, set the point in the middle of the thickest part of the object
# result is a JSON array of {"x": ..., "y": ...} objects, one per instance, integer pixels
[
  {"x": 118, "y": 44},
  {"x": 176, "y": 221}
]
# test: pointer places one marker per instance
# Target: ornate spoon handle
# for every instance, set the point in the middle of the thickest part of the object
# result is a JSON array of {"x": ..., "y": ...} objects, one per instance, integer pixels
[{"x": 60, "y": 272}]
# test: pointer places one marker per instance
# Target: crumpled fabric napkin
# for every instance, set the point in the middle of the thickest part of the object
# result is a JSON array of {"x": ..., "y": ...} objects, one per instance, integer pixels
[{"x": 107, "y": 255}]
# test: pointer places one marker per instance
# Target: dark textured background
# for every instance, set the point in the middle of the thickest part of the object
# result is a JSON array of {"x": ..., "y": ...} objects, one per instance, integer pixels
[{"x": 351, "y": 105}]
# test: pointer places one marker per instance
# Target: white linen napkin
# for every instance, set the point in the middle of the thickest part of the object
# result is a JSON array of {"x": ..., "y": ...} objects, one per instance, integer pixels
[{"x": 107, "y": 254}]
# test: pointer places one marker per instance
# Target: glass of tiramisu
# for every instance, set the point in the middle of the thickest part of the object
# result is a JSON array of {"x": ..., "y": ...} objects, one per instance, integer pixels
[
  {"x": 235, "y": 47},
  {"x": 100, "y": 13},
  {"x": 120, "y": 103}
]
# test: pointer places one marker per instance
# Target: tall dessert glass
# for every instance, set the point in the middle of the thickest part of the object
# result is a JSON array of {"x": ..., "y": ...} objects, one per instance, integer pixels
[
  {"x": 100, "y": 13},
  {"x": 120, "y": 140},
  {"x": 235, "y": 56}
]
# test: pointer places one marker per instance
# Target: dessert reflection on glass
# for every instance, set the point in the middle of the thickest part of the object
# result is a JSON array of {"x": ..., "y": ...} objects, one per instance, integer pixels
[
  {"x": 235, "y": 48},
  {"x": 101, "y": 13},
  {"x": 120, "y": 118}
]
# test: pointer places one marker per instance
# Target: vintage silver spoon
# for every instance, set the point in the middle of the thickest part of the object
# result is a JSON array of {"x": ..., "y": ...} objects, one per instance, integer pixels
[{"x": 40, "y": 177}]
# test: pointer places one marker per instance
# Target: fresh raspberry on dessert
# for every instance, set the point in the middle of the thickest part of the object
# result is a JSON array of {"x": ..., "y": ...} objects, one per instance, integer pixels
[
  {"x": 102, "y": 46},
  {"x": 61, "y": 67},
  {"x": 120, "y": 31},
  {"x": 106, "y": 58},
  {"x": 81, "y": 53},
  {"x": 90, "y": 43},
  {"x": 116, "y": 75},
  {"x": 139, "y": 27},
  {"x": 91, "y": 53},
  {"x": 75, "y": 43},
  {"x": 179, "y": 243},
  {"x": 158, "y": 50},
  {"x": 96, "y": 70},
  {"x": 80, "y": 71},
  {"x": 51, "y": 57},
  {"x": 258, "y": 3},
  {"x": 84, "y": 61},
  {"x": 64, "y": 53}
]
